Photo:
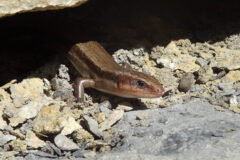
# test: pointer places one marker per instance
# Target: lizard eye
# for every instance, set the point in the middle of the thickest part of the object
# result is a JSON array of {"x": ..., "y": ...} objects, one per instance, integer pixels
[{"x": 140, "y": 84}]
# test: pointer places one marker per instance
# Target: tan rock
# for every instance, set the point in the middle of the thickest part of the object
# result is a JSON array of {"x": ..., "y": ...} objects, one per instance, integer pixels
[
  {"x": 82, "y": 135},
  {"x": 3, "y": 123},
  {"x": 232, "y": 76},
  {"x": 47, "y": 120},
  {"x": 235, "y": 109},
  {"x": 5, "y": 102},
  {"x": 89, "y": 154},
  {"x": 166, "y": 78},
  {"x": 205, "y": 74},
  {"x": 125, "y": 106},
  {"x": 15, "y": 121},
  {"x": 142, "y": 116},
  {"x": 4, "y": 96},
  {"x": 51, "y": 121},
  {"x": 9, "y": 155},
  {"x": 101, "y": 117},
  {"x": 115, "y": 116},
  {"x": 33, "y": 141},
  {"x": 174, "y": 59},
  {"x": 17, "y": 134},
  {"x": 69, "y": 125},
  {"x": 18, "y": 145},
  {"x": 9, "y": 84},
  {"x": 227, "y": 58},
  {"x": 15, "y": 6},
  {"x": 27, "y": 90},
  {"x": 153, "y": 102}
]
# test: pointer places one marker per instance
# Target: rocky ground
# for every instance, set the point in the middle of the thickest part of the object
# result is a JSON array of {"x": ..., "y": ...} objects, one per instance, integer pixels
[
  {"x": 40, "y": 118},
  {"x": 197, "y": 117}
]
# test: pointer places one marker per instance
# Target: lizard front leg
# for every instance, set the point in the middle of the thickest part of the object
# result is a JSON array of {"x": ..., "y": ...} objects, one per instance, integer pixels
[{"x": 80, "y": 84}]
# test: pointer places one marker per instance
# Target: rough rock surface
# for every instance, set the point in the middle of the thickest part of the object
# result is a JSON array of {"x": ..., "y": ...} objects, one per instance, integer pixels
[
  {"x": 15, "y": 6},
  {"x": 188, "y": 131}
]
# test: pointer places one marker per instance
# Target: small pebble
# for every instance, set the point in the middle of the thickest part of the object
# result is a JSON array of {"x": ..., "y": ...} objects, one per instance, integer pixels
[{"x": 186, "y": 82}]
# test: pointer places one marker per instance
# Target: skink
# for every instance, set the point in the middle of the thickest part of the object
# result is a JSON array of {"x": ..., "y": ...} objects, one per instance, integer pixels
[{"x": 100, "y": 71}]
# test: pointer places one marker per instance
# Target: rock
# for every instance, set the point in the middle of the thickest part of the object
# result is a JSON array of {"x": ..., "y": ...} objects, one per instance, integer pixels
[
  {"x": 63, "y": 72},
  {"x": 232, "y": 76},
  {"x": 157, "y": 52},
  {"x": 16, "y": 121},
  {"x": 28, "y": 98},
  {"x": 89, "y": 154},
  {"x": 62, "y": 87},
  {"x": 78, "y": 154},
  {"x": 56, "y": 149},
  {"x": 8, "y": 128},
  {"x": 5, "y": 101},
  {"x": 69, "y": 125},
  {"x": 36, "y": 155},
  {"x": 227, "y": 58},
  {"x": 18, "y": 145},
  {"x": 33, "y": 141},
  {"x": 28, "y": 89},
  {"x": 186, "y": 82},
  {"x": 153, "y": 102},
  {"x": 225, "y": 86},
  {"x": 6, "y": 138},
  {"x": 174, "y": 59},
  {"x": 51, "y": 121},
  {"x": 193, "y": 125},
  {"x": 27, "y": 111},
  {"x": 205, "y": 74},
  {"x": 101, "y": 116},
  {"x": 18, "y": 134},
  {"x": 3, "y": 123},
  {"x": 124, "y": 107},
  {"x": 81, "y": 136},
  {"x": 26, "y": 126},
  {"x": 13, "y": 7},
  {"x": 227, "y": 89},
  {"x": 202, "y": 62},
  {"x": 47, "y": 120},
  {"x": 166, "y": 77},
  {"x": 115, "y": 116},
  {"x": 65, "y": 143},
  {"x": 9, "y": 155},
  {"x": 105, "y": 106},
  {"x": 142, "y": 116},
  {"x": 135, "y": 56},
  {"x": 92, "y": 125},
  {"x": 4, "y": 96}
]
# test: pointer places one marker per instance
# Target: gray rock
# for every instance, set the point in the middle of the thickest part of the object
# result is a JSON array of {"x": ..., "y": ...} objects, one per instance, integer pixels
[
  {"x": 225, "y": 86},
  {"x": 237, "y": 92},
  {"x": 65, "y": 143},
  {"x": 8, "y": 128},
  {"x": 105, "y": 106},
  {"x": 51, "y": 148},
  {"x": 26, "y": 126},
  {"x": 202, "y": 62},
  {"x": 56, "y": 149},
  {"x": 92, "y": 125},
  {"x": 34, "y": 157},
  {"x": 79, "y": 153},
  {"x": 192, "y": 131},
  {"x": 6, "y": 138}
]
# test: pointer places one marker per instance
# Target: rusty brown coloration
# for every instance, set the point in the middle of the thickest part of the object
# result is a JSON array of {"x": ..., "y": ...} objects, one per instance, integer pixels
[{"x": 94, "y": 63}]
